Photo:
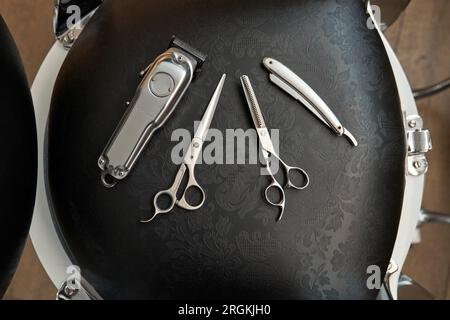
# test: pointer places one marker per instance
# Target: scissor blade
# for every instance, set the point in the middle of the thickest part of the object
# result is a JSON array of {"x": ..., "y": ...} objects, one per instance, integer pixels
[
  {"x": 253, "y": 104},
  {"x": 257, "y": 116},
  {"x": 205, "y": 124}
]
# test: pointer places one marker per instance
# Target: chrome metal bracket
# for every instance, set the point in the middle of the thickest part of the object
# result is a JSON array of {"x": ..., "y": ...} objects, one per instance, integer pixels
[
  {"x": 419, "y": 144},
  {"x": 389, "y": 280},
  {"x": 70, "y": 18},
  {"x": 67, "y": 292},
  {"x": 433, "y": 217},
  {"x": 77, "y": 290}
]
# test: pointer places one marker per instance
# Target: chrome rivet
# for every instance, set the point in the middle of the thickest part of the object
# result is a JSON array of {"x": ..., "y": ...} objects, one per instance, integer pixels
[{"x": 417, "y": 165}]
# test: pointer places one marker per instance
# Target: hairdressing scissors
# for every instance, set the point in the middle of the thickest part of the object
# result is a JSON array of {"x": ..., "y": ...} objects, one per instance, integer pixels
[
  {"x": 189, "y": 163},
  {"x": 269, "y": 150}
]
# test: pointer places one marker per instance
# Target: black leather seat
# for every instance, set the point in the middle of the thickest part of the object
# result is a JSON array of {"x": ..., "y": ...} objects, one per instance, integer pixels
[
  {"x": 232, "y": 248},
  {"x": 18, "y": 168}
]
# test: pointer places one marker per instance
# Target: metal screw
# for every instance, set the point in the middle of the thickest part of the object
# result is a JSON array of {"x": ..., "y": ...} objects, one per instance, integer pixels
[
  {"x": 196, "y": 145},
  {"x": 101, "y": 162},
  {"x": 121, "y": 173},
  {"x": 70, "y": 37},
  {"x": 412, "y": 124},
  {"x": 417, "y": 165},
  {"x": 70, "y": 292}
]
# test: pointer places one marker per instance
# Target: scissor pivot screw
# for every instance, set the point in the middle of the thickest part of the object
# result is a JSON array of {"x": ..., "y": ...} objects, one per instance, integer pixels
[
  {"x": 196, "y": 145},
  {"x": 121, "y": 173},
  {"x": 412, "y": 124}
]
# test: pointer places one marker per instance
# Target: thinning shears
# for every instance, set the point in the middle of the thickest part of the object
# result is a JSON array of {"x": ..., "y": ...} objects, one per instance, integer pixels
[{"x": 268, "y": 150}]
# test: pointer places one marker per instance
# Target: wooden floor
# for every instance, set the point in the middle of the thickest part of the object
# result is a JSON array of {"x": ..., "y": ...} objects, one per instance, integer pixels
[{"x": 422, "y": 41}]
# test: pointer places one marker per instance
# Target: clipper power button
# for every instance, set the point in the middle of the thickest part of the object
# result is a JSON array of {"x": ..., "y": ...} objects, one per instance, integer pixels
[{"x": 162, "y": 85}]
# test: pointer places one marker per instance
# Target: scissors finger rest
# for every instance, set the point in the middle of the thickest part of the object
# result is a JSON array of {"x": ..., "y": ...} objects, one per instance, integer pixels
[
  {"x": 276, "y": 190},
  {"x": 297, "y": 178}
]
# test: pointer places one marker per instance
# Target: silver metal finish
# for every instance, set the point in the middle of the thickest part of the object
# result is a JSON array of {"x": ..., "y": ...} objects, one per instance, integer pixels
[
  {"x": 66, "y": 292},
  {"x": 404, "y": 281},
  {"x": 419, "y": 144},
  {"x": 164, "y": 83},
  {"x": 46, "y": 238},
  {"x": 189, "y": 163},
  {"x": 414, "y": 185},
  {"x": 433, "y": 217},
  {"x": 288, "y": 81},
  {"x": 269, "y": 150},
  {"x": 77, "y": 291},
  {"x": 390, "y": 281},
  {"x": 67, "y": 33}
]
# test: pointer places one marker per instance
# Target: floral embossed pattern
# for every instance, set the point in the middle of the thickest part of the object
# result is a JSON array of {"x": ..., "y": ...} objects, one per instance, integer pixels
[{"x": 232, "y": 247}]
